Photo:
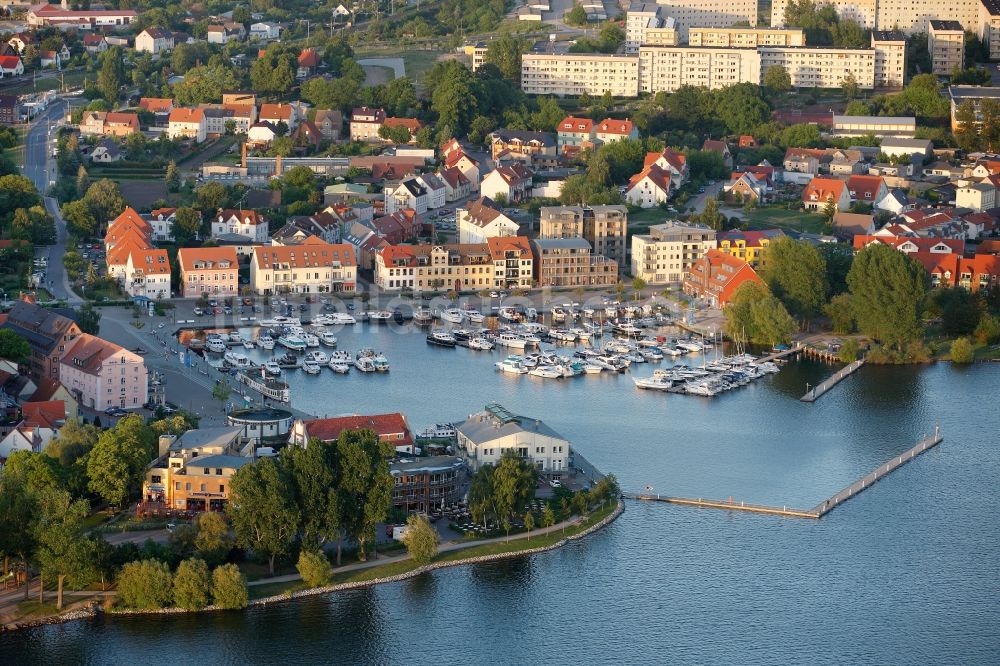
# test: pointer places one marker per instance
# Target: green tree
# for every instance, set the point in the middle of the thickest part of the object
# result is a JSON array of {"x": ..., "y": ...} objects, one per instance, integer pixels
[
  {"x": 211, "y": 196},
  {"x": 514, "y": 482},
  {"x": 529, "y": 523},
  {"x": 314, "y": 568},
  {"x": 63, "y": 551},
  {"x": 18, "y": 514},
  {"x": 365, "y": 485},
  {"x": 88, "y": 319},
  {"x": 399, "y": 134},
  {"x": 959, "y": 309},
  {"x": 841, "y": 314},
  {"x": 17, "y": 192},
  {"x": 145, "y": 585},
  {"x": 711, "y": 217},
  {"x": 212, "y": 540},
  {"x": 187, "y": 225},
  {"x": 966, "y": 130},
  {"x": 80, "y": 221},
  {"x": 192, "y": 585},
  {"x": 962, "y": 351},
  {"x": 454, "y": 97},
  {"x": 755, "y": 315},
  {"x": 105, "y": 201},
  {"x": 505, "y": 52},
  {"x": 38, "y": 472},
  {"x": 796, "y": 274},
  {"x": 221, "y": 392},
  {"x": 887, "y": 293},
  {"x": 849, "y": 351},
  {"x": 173, "y": 177},
  {"x": 741, "y": 107},
  {"x": 13, "y": 347},
  {"x": 548, "y": 516},
  {"x": 229, "y": 587},
  {"x": 638, "y": 284},
  {"x": 273, "y": 72},
  {"x": 421, "y": 539},
  {"x": 838, "y": 259},
  {"x": 117, "y": 462},
  {"x": 576, "y": 16},
  {"x": 82, "y": 181},
  {"x": 262, "y": 509},
  {"x": 776, "y": 78},
  {"x": 314, "y": 474},
  {"x": 111, "y": 78}
]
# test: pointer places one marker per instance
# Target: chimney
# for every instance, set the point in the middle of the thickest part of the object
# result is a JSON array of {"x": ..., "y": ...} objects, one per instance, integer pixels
[{"x": 537, "y": 423}]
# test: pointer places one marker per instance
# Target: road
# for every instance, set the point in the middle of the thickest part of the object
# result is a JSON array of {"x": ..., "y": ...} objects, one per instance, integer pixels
[
  {"x": 40, "y": 167},
  {"x": 697, "y": 202}
]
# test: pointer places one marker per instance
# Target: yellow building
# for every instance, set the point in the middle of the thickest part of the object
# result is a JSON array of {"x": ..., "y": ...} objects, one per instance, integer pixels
[
  {"x": 750, "y": 246},
  {"x": 746, "y": 37}
]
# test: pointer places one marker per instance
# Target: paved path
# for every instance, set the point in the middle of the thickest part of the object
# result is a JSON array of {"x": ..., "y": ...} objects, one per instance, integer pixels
[
  {"x": 445, "y": 548},
  {"x": 137, "y": 536}
]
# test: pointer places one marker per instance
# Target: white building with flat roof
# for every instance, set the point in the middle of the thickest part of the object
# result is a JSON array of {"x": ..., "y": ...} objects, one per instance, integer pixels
[
  {"x": 483, "y": 438},
  {"x": 879, "y": 126},
  {"x": 573, "y": 74},
  {"x": 667, "y": 68}
]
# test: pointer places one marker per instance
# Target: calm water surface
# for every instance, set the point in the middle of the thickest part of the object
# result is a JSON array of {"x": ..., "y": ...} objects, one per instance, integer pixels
[{"x": 906, "y": 573}]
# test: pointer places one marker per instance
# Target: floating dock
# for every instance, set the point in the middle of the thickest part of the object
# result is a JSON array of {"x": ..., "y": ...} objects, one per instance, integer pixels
[
  {"x": 817, "y": 511},
  {"x": 817, "y": 391}
]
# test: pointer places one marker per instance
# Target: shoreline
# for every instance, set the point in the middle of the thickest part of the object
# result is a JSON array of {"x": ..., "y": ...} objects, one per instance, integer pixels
[{"x": 94, "y": 610}]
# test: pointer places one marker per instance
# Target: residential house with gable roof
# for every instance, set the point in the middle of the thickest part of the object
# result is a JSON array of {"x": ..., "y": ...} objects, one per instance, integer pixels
[
  {"x": 244, "y": 222},
  {"x": 650, "y": 187},
  {"x": 574, "y": 134},
  {"x": 867, "y": 189},
  {"x": 456, "y": 185},
  {"x": 521, "y": 144},
  {"x": 482, "y": 219},
  {"x": 48, "y": 332},
  {"x": 154, "y": 41},
  {"x": 101, "y": 374},
  {"x": 721, "y": 148},
  {"x": 716, "y": 276},
  {"x": 311, "y": 267},
  {"x": 749, "y": 246},
  {"x": 185, "y": 123},
  {"x": 208, "y": 270},
  {"x": 408, "y": 194},
  {"x": 820, "y": 191},
  {"x": 391, "y": 428},
  {"x": 610, "y": 129},
  {"x": 511, "y": 181}
]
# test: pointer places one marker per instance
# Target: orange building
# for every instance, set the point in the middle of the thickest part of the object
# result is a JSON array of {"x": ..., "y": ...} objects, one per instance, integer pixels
[
  {"x": 208, "y": 270},
  {"x": 716, "y": 277}
]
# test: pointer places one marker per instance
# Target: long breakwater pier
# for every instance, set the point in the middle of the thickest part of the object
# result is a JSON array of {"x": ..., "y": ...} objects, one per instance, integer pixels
[
  {"x": 815, "y": 392},
  {"x": 818, "y": 511}
]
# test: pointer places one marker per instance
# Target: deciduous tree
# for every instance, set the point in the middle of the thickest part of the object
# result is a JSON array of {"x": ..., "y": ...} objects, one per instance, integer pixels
[
  {"x": 63, "y": 551},
  {"x": 796, "y": 273},
  {"x": 262, "y": 509},
  {"x": 887, "y": 293},
  {"x": 314, "y": 568},
  {"x": 421, "y": 539},
  {"x": 192, "y": 585},
  {"x": 229, "y": 587},
  {"x": 145, "y": 585}
]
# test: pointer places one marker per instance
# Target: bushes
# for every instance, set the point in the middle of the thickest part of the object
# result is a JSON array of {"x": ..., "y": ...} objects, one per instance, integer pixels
[
  {"x": 192, "y": 585},
  {"x": 849, "y": 351},
  {"x": 988, "y": 330},
  {"x": 421, "y": 539},
  {"x": 314, "y": 568},
  {"x": 145, "y": 585},
  {"x": 913, "y": 352},
  {"x": 229, "y": 587},
  {"x": 961, "y": 351}
]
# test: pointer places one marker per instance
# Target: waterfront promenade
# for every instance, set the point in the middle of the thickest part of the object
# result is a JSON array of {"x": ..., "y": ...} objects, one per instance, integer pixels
[{"x": 817, "y": 511}]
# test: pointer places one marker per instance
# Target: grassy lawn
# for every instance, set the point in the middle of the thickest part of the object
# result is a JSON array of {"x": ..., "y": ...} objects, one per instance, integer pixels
[
  {"x": 762, "y": 218},
  {"x": 415, "y": 62},
  {"x": 404, "y": 566},
  {"x": 17, "y": 153}
]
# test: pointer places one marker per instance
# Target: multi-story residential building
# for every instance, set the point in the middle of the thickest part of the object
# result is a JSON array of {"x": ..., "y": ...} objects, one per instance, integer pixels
[
  {"x": 437, "y": 191},
  {"x": 946, "y": 43},
  {"x": 746, "y": 38},
  {"x": 483, "y": 438},
  {"x": 109, "y": 123},
  {"x": 712, "y": 13},
  {"x": 44, "y": 14},
  {"x": 154, "y": 40},
  {"x": 890, "y": 58},
  {"x": 910, "y": 16},
  {"x": 456, "y": 184},
  {"x": 423, "y": 484},
  {"x": 247, "y": 223},
  {"x": 716, "y": 276},
  {"x": 988, "y": 28},
  {"x": 610, "y": 129},
  {"x": 981, "y": 271},
  {"x": 365, "y": 124},
  {"x": 977, "y": 196},
  {"x": 391, "y": 428},
  {"x": 225, "y": 33},
  {"x": 218, "y": 116},
  {"x": 47, "y": 332},
  {"x": 482, "y": 219},
  {"x": 330, "y": 123},
  {"x": 187, "y": 123},
  {"x": 10, "y": 109},
  {"x": 408, "y": 194},
  {"x": 497, "y": 264},
  {"x": 574, "y": 74},
  {"x": 312, "y": 267},
  {"x": 521, "y": 144},
  {"x": 574, "y": 134},
  {"x": 821, "y": 66},
  {"x": 477, "y": 52},
  {"x": 147, "y": 273},
  {"x": 604, "y": 227},
  {"x": 208, "y": 270},
  {"x": 972, "y": 94},
  {"x": 642, "y": 17},
  {"x": 101, "y": 374},
  {"x": 510, "y": 183},
  {"x": 193, "y": 471},
  {"x": 667, "y": 68},
  {"x": 748, "y": 246},
  {"x": 282, "y": 112},
  {"x": 667, "y": 252},
  {"x": 878, "y": 126},
  {"x": 569, "y": 262},
  {"x": 650, "y": 187},
  {"x": 399, "y": 227}
]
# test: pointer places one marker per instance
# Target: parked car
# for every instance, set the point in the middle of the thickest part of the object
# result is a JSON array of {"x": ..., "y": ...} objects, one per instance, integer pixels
[{"x": 198, "y": 312}]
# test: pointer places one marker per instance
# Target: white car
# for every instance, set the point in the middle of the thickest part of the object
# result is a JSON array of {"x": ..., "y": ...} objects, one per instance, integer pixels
[{"x": 555, "y": 483}]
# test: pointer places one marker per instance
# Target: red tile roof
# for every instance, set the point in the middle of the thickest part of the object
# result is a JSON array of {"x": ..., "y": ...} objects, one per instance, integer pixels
[
  {"x": 308, "y": 58},
  {"x": 49, "y": 414},
  {"x": 823, "y": 189},
  {"x": 88, "y": 352},
  {"x": 864, "y": 188},
  {"x": 391, "y": 428},
  {"x": 572, "y": 124},
  {"x": 183, "y": 115},
  {"x": 922, "y": 244},
  {"x": 612, "y": 126},
  {"x": 411, "y": 124},
  {"x": 312, "y": 252}
]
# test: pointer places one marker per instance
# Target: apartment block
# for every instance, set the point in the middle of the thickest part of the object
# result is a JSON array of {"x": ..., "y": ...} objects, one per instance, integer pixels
[
  {"x": 643, "y": 17},
  {"x": 821, "y": 67},
  {"x": 569, "y": 262},
  {"x": 604, "y": 227},
  {"x": 497, "y": 263},
  {"x": 988, "y": 26},
  {"x": 910, "y": 16},
  {"x": 746, "y": 37},
  {"x": 667, "y": 68},
  {"x": 576, "y": 73},
  {"x": 669, "y": 250},
  {"x": 712, "y": 13},
  {"x": 946, "y": 43},
  {"x": 890, "y": 58}
]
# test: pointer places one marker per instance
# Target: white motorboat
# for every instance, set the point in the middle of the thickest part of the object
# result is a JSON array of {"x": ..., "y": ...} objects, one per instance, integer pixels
[
  {"x": 381, "y": 363},
  {"x": 689, "y": 345},
  {"x": 311, "y": 367},
  {"x": 510, "y": 314},
  {"x": 292, "y": 341},
  {"x": 317, "y": 357},
  {"x": 341, "y": 319},
  {"x": 327, "y": 338},
  {"x": 215, "y": 344},
  {"x": 582, "y": 335},
  {"x": 546, "y": 372},
  {"x": 531, "y": 339},
  {"x": 237, "y": 360},
  {"x": 475, "y": 316},
  {"x": 512, "y": 340},
  {"x": 379, "y": 316},
  {"x": 672, "y": 351},
  {"x": 279, "y": 320},
  {"x": 310, "y": 340},
  {"x": 364, "y": 364},
  {"x": 247, "y": 343},
  {"x": 558, "y": 314},
  {"x": 592, "y": 369},
  {"x": 627, "y": 328},
  {"x": 423, "y": 317},
  {"x": 480, "y": 344},
  {"x": 657, "y": 383},
  {"x": 562, "y": 335},
  {"x": 451, "y": 315},
  {"x": 273, "y": 369},
  {"x": 340, "y": 356},
  {"x": 512, "y": 365},
  {"x": 339, "y": 367},
  {"x": 265, "y": 342}
]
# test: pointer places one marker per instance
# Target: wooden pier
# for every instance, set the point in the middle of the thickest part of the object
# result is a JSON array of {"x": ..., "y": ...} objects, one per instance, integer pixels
[
  {"x": 781, "y": 354},
  {"x": 817, "y": 511},
  {"x": 815, "y": 392}
]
